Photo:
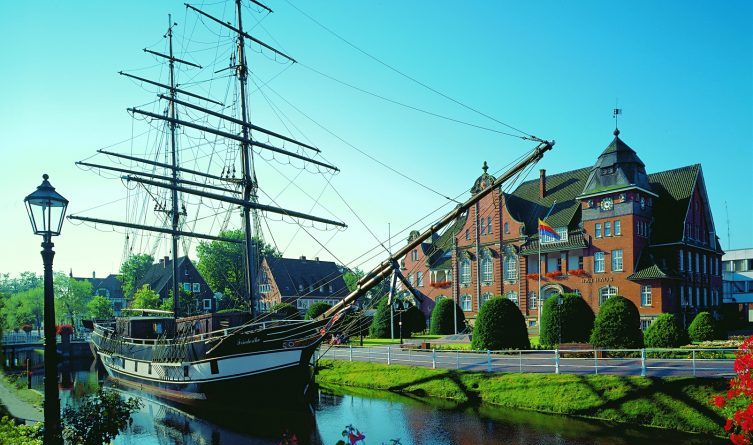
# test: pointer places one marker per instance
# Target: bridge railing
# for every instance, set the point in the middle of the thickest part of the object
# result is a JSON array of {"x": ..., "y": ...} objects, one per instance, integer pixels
[{"x": 643, "y": 362}]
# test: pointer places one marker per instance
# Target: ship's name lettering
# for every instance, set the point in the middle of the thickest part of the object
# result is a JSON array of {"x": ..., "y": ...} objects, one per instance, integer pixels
[
  {"x": 248, "y": 342},
  {"x": 599, "y": 280}
]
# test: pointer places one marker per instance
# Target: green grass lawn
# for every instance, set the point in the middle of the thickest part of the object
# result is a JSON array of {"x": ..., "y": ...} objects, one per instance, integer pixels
[{"x": 678, "y": 403}]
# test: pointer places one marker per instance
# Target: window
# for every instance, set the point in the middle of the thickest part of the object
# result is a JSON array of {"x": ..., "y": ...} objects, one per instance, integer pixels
[
  {"x": 682, "y": 263},
  {"x": 531, "y": 323},
  {"x": 484, "y": 298},
  {"x": 599, "y": 262},
  {"x": 507, "y": 227},
  {"x": 617, "y": 260},
  {"x": 300, "y": 287},
  {"x": 512, "y": 296},
  {"x": 196, "y": 288},
  {"x": 580, "y": 262},
  {"x": 207, "y": 303},
  {"x": 645, "y": 323},
  {"x": 330, "y": 288},
  {"x": 187, "y": 287},
  {"x": 605, "y": 293},
  {"x": 487, "y": 271},
  {"x": 311, "y": 288},
  {"x": 414, "y": 255},
  {"x": 597, "y": 230},
  {"x": 467, "y": 234},
  {"x": 302, "y": 304},
  {"x": 465, "y": 303},
  {"x": 617, "y": 228},
  {"x": 561, "y": 232},
  {"x": 489, "y": 225},
  {"x": 465, "y": 272},
  {"x": 511, "y": 268},
  {"x": 532, "y": 303},
  {"x": 607, "y": 229},
  {"x": 264, "y": 288},
  {"x": 483, "y": 227},
  {"x": 410, "y": 279},
  {"x": 646, "y": 299},
  {"x": 419, "y": 279}
]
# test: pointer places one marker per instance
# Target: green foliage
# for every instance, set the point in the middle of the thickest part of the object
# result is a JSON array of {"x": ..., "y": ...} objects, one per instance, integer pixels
[
  {"x": 26, "y": 307},
  {"x": 99, "y": 418},
  {"x": 665, "y": 332},
  {"x": 317, "y": 309},
  {"x": 285, "y": 311},
  {"x": 500, "y": 325},
  {"x": 187, "y": 304},
  {"x": 703, "y": 328},
  {"x": 442, "y": 318},
  {"x": 100, "y": 308},
  {"x": 351, "y": 278},
  {"x": 414, "y": 320},
  {"x": 24, "y": 281},
  {"x": 145, "y": 298},
  {"x": 71, "y": 297},
  {"x": 221, "y": 264},
  {"x": 13, "y": 434},
  {"x": 577, "y": 320},
  {"x": 618, "y": 325},
  {"x": 380, "y": 325},
  {"x": 132, "y": 270}
]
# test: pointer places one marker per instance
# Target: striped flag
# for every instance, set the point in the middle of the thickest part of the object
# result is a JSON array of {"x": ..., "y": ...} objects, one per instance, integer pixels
[{"x": 546, "y": 229}]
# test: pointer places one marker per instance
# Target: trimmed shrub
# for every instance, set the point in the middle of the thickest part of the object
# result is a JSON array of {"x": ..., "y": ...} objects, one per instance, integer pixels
[
  {"x": 380, "y": 325},
  {"x": 285, "y": 311},
  {"x": 703, "y": 328},
  {"x": 442, "y": 321},
  {"x": 414, "y": 320},
  {"x": 317, "y": 309},
  {"x": 577, "y": 320},
  {"x": 665, "y": 332},
  {"x": 618, "y": 325},
  {"x": 500, "y": 325}
]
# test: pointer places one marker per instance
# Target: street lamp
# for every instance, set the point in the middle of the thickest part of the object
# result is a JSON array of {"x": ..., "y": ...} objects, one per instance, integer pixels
[
  {"x": 46, "y": 209},
  {"x": 560, "y": 300}
]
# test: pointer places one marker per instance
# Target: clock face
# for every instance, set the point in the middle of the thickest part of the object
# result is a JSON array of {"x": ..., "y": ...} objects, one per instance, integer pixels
[{"x": 606, "y": 204}]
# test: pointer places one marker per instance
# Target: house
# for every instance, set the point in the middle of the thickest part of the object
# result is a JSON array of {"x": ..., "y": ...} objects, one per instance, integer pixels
[
  {"x": 300, "y": 281},
  {"x": 647, "y": 237},
  {"x": 159, "y": 278},
  {"x": 110, "y": 287},
  {"x": 737, "y": 269}
]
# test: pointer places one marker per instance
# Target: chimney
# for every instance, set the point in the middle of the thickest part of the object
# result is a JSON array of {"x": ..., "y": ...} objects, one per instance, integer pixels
[
  {"x": 303, "y": 258},
  {"x": 542, "y": 183},
  {"x": 316, "y": 259},
  {"x": 70, "y": 274},
  {"x": 165, "y": 260},
  {"x": 94, "y": 274},
  {"x": 162, "y": 262}
]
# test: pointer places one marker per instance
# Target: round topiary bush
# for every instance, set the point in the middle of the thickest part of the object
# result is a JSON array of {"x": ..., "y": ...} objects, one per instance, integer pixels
[
  {"x": 500, "y": 325},
  {"x": 577, "y": 320},
  {"x": 618, "y": 325},
  {"x": 380, "y": 325},
  {"x": 284, "y": 311},
  {"x": 665, "y": 332},
  {"x": 317, "y": 309},
  {"x": 703, "y": 328},
  {"x": 442, "y": 318},
  {"x": 414, "y": 320}
]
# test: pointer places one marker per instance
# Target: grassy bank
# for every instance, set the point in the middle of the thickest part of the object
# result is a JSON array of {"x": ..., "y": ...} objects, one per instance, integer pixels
[
  {"x": 16, "y": 383},
  {"x": 676, "y": 403}
]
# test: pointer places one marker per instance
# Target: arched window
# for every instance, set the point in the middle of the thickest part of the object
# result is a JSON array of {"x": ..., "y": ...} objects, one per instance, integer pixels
[
  {"x": 465, "y": 272},
  {"x": 484, "y": 298},
  {"x": 512, "y": 296},
  {"x": 487, "y": 271},
  {"x": 466, "y": 303},
  {"x": 605, "y": 293},
  {"x": 511, "y": 268}
]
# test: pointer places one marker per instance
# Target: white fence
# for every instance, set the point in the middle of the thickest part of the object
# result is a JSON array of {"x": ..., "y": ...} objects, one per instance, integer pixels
[{"x": 643, "y": 362}]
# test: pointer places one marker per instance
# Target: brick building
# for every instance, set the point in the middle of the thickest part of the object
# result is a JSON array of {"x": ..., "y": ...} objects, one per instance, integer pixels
[{"x": 647, "y": 237}]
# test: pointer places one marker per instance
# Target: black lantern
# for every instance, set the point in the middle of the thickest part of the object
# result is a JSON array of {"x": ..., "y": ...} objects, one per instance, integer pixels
[{"x": 46, "y": 209}]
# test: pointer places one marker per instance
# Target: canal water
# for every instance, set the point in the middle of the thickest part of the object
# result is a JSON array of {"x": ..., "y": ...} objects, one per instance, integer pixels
[{"x": 381, "y": 416}]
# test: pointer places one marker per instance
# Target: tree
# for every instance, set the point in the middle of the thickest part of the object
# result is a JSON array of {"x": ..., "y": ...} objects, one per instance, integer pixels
[
  {"x": 380, "y": 324},
  {"x": 24, "y": 281},
  {"x": 25, "y": 307},
  {"x": 351, "y": 277},
  {"x": 187, "y": 304},
  {"x": 500, "y": 325},
  {"x": 618, "y": 325},
  {"x": 414, "y": 320},
  {"x": 703, "y": 328},
  {"x": 132, "y": 270},
  {"x": 71, "y": 297},
  {"x": 317, "y": 309},
  {"x": 145, "y": 298},
  {"x": 443, "y": 318},
  {"x": 577, "y": 320},
  {"x": 100, "y": 308},
  {"x": 665, "y": 332},
  {"x": 222, "y": 263},
  {"x": 285, "y": 311},
  {"x": 99, "y": 418}
]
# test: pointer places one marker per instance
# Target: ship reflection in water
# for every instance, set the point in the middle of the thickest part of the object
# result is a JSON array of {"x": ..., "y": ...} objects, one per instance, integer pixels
[{"x": 380, "y": 415}]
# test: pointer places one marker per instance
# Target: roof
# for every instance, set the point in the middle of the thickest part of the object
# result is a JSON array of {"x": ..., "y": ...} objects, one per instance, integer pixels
[
  {"x": 648, "y": 268},
  {"x": 525, "y": 205},
  {"x": 159, "y": 275},
  {"x": 441, "y": 247},
  {"x": 617, "y": 167},
  {"x": 575, "y": 240},
  {"x": 290, "y": 273},
  {"x": 675, "y": 188}
]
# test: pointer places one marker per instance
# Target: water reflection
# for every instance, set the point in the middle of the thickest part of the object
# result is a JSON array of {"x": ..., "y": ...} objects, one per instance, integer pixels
[{"x": 381, "y": 415}]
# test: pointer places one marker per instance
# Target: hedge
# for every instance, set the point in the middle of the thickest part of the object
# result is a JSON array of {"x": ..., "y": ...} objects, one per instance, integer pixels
[{"x": 500, "y": 325}]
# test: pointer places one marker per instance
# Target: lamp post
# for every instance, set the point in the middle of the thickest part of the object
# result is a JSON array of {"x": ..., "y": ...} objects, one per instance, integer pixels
[
  {"x": 560, "y": 300},
  {"x": 46, "y": 209}
]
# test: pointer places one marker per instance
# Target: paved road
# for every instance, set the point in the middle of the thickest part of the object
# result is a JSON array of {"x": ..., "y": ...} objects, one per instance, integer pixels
[{"x": 537, "y": 361}]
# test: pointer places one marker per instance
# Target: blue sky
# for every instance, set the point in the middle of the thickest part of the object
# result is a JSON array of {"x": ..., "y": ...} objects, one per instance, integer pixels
[{"x": 682, "y": 72}]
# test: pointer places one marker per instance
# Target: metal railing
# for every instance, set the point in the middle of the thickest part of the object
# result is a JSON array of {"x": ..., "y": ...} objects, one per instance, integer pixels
[{"x": 638, "y": 362}]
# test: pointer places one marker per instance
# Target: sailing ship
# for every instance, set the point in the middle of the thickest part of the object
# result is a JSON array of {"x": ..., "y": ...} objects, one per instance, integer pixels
[{"x": 221, "y": 356}]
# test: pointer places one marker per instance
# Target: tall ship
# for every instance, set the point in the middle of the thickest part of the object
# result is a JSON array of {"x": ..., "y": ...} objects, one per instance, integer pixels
[{"x": 204, "y": 159}]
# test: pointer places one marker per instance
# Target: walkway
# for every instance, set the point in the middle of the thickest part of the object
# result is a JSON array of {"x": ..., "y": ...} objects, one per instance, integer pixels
[{"x": 18, "y": 408}]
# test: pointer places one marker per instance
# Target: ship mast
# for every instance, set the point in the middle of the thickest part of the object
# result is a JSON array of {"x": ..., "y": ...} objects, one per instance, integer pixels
[{"x": 174, "y": 170}]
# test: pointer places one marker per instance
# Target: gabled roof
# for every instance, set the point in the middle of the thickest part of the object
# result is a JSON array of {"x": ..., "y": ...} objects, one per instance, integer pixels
[
  {"x": 160, "y": 274},
  {"x": 290, "y": 273},
  {"x": 674, "y": 187},
  {"x": 618, "y": 167},
  {"x": 440, "y": 252},
  {"x": 525, "y": 205}
]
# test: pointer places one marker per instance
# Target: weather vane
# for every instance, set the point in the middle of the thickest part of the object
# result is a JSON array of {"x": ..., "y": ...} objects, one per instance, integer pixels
[{"x": 616, "y": 112}]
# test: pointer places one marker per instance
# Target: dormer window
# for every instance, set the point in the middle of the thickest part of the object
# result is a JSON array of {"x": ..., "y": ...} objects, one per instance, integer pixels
[{"x": 608, "y": 170}]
